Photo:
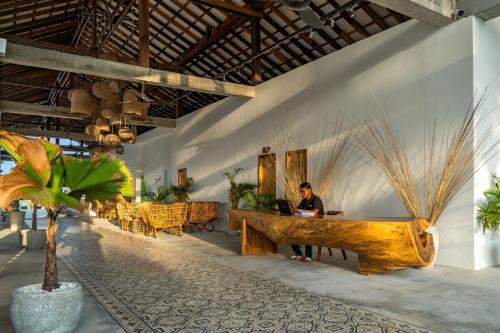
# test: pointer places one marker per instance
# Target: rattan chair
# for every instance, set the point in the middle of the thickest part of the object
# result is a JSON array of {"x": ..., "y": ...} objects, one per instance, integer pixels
[
  {"x": 138, "y": 225},
  {"x": 181, "y": 215},
  {"x": 202, "y": 213},
  {"x": 123, "y": 216}
]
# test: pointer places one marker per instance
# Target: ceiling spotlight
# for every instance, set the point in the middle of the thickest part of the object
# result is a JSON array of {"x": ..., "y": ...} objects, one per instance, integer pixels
[
  {"x": 311, "y": 34},
  {"x": 351, "y": 11},
  {"x": 332, "y": 22}
]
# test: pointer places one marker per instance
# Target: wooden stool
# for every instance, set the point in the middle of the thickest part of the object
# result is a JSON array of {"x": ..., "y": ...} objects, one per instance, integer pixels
[{"x": 336, "y": 213}]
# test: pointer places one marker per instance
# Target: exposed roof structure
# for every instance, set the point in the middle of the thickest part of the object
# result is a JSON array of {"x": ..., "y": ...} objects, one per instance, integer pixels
[{"x": 206, "y": 38}]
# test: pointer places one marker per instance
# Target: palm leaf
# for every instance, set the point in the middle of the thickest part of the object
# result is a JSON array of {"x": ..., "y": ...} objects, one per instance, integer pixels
[
  {"x": 36, "y": 164},
  {"x": 53, "y": 151},
  {"x": 48, "y": 198},
  {"x": 12, "y": 185},
  {"x": 10, "y": 142}
]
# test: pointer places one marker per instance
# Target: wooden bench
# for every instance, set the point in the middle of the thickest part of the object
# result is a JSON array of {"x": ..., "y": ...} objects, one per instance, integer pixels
[{"x": 382, "y": 244}]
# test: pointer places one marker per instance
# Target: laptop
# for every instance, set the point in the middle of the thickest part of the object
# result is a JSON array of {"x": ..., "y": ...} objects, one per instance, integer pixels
[{"x": 284, "y": 207}]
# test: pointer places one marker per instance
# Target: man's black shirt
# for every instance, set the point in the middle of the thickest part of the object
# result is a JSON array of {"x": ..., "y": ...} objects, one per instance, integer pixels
[{"x": 314, "y": 203}]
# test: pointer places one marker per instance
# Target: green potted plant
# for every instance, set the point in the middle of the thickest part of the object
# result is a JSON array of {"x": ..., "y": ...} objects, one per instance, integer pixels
[
  {"x": 52, "y": 180},
  {"x": 162, "y": 194},
  {"x": 237, "y": 190},
  {"x": 16, "y": 216},
  {"x": 488, "y": 211},
  {"x": 259, "y": 201},
  {"x": 34, "y": 238},
  {"x": 181, "y": 193}
]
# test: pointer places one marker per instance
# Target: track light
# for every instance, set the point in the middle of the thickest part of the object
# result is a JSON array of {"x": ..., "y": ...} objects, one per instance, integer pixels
[
  {"x": 332, "y": 22},
  {"x": 351, "y": 11},
  {"x": 311, "y": 34}
]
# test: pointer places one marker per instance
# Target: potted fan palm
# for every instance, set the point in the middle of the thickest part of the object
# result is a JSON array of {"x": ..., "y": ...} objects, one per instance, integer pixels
[
  {"x": 16, "y": 216},
  {"x": 47, "y": 178}
]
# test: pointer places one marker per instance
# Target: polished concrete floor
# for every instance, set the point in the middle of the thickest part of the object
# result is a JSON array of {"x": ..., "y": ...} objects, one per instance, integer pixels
[
  {"x": 19, "y": 268},
  {"x": 442, "y": 300}
]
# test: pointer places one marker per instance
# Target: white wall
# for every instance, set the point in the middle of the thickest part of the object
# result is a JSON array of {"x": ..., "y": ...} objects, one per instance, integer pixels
[
  {"x": 405, "y": 66},
  {"x": 486, "y": 71}
]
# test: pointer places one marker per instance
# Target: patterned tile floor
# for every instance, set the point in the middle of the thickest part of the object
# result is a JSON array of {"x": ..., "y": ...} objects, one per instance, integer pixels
[{"x": 148, "y": 287}]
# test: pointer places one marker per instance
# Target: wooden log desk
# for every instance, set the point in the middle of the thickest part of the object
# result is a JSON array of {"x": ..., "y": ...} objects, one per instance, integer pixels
[{"x": 382, "y": 244}]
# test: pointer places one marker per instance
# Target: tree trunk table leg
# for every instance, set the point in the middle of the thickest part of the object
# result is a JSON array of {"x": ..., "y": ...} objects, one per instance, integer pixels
[
  {"x": 254, "y": 243},
  {"x": 318, "y": 255},
  {"x": 367, "y": 266},
  {"x": 330, "y": 252}
]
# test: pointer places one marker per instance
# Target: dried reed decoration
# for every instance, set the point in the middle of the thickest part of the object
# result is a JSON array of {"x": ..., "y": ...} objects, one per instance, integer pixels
[
  {"x": 447, "y": 161},
  {"x": 329, "y": 155}
]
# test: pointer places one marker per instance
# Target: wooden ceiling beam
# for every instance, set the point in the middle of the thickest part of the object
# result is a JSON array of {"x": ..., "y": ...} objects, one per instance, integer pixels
[
  {"x": 143, "y": 33},
  {"x": 50, "y": 59},
  {"x": 230, "y": 7},
  {"x": 48, "y": 134},
  {"x": 117, "y": 22},
  {"x": 232, "y": 22},
  {"x": 63, "y": 113},
  {"x": 44, "y": 44}
]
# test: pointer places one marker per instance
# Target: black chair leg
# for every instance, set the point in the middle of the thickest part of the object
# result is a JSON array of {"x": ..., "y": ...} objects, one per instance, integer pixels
[{"x": 343, "y": 254}]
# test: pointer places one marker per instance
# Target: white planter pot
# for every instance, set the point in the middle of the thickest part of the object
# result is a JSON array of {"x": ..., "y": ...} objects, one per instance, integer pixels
[
  {"x": 33, "y": 310},
  {"x": 16, "y": 220},
  {"x": 33, "y": 239}
]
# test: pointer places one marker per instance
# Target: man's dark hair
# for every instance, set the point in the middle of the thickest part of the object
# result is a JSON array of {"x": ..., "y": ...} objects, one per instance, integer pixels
[{"x": 306, "y": 185}]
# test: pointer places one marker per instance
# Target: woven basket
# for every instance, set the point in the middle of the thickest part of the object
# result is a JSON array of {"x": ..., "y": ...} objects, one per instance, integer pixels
[
  {"x": 130, "y": 141},
  {"x": 107, "y": 113},
  {"x": 103, "y": 124},
  {"x": 132, "y": 106},
  {"x": 111, "y": 141},
  {"x": 101, "y": 90},
  {"x": 125, "y": 133},
  {"x": 81, "y": 102},
  {"x": 115, "y": 120},
  {"x": 115, "y": 86},
  {"x": 111, "y": 102},
  {"x": 93, "y": 130}
]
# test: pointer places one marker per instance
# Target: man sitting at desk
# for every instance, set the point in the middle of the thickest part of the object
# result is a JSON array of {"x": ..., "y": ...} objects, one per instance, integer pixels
[{"x": 313, "y": 204}]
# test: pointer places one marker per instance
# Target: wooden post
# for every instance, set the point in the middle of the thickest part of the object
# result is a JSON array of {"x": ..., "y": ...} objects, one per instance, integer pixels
[
  {"x": 143, "y": 33},
  {"x": 256, "y": 64}
]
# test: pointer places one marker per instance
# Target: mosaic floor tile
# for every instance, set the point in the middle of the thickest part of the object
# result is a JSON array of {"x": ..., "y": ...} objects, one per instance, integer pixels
[{"x": 154, "y": 287}]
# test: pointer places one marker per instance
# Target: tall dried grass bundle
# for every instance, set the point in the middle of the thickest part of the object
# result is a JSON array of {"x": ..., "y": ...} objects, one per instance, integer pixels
[
  {"x": 448, "y": 159},
  {"x": 329, "y": 154}
]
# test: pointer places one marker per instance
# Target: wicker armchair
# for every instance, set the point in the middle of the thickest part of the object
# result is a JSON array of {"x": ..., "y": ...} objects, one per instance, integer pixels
[
  {"x": 165, "y": 217},
  {"x": 129, "y": 215},
  {"x": 202, "y": 213},
  {"x": 123, "y": 216},
  {"x": 138, "y": 225}
]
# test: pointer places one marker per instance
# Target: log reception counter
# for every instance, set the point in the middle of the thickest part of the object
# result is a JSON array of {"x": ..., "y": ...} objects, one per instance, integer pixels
[{"x": 382, "y": 244}]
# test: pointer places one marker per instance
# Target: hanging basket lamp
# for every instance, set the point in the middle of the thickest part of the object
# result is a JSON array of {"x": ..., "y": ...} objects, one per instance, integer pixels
[
  {"x": 102, "y": 90},
  {"x": 111, "y": 141},
  {"x": 125, "y": 133},
  {"x": 93, "y": 130},
  {"x": 132, "y": 105},
  {"x": 115, "y": 120},
  {"x": 81, "y": 102},
  {"x": 103, "y": 124}
]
